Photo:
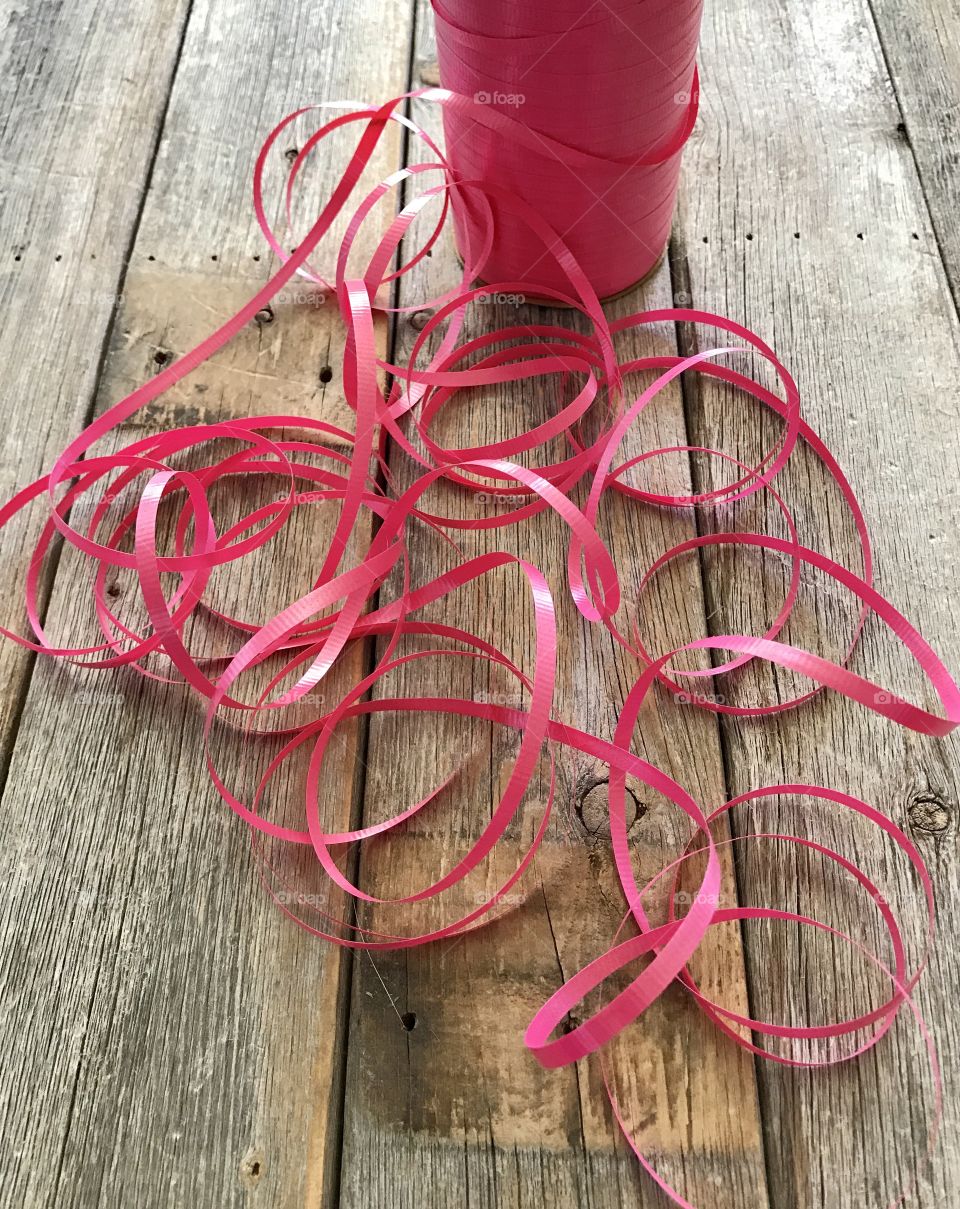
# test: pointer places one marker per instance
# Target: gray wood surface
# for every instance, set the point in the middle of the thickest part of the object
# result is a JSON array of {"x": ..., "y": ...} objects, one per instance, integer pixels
[
  {"x": 799, "y": 215},
  {"x": 456, "y": 1111},
  {"x": 921, "y": 47},
  {"x": 84, "y": 91},
  {"x": 172, "y": 1039}
]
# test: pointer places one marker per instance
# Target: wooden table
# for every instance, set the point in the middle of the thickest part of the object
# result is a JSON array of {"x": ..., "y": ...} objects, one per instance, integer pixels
[{"x": 170, "y": 1038}]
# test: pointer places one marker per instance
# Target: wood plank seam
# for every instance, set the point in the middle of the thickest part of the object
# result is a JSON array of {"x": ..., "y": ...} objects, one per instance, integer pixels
[
  {"x": 871, "y": 314},
  {"x": 352, "y": 865},
  {"x": 687, "y": 345},
  {"x": 549, "y": 1132},
  {"x": 952, "y": 285}
]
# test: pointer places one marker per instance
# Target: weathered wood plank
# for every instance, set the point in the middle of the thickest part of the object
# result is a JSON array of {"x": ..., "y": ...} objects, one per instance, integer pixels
[
  {"x": 163, "y": 1104},
  {"x": 172, "y": 1037},
  {"x": 803, "y": 217},
  {"x": 453, "y": 1110},
  {"x": 921, "y": 45},
  {"x": 84, "y": 88}
]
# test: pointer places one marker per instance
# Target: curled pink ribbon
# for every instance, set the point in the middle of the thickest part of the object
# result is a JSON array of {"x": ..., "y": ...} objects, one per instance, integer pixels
[{"x": 310, "y": 635}]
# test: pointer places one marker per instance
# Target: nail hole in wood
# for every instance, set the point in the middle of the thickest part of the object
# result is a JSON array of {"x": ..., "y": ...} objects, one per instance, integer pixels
[
  {"x": 326, "y": 374},
  {"x": 213, "y": 256},
  {"x": 419, "y": 320},
  {"x": 860, "y": 235},
  {"x": 252, "y": 1167},
  {"x": 796, "y": 235},
  {"x": 161, "y": 357},
  {"x": 749, "y": 236},
  {"x": 291, "y": 153},
  {"x": 409, "y": 1021},
  {"x": 265, "y": 315}
]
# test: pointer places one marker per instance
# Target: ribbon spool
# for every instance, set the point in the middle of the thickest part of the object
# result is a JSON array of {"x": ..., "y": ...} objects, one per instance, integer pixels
[{"x": 616, "y": 83}]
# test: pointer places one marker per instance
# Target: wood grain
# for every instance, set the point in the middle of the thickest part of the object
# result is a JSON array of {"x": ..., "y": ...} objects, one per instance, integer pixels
[
  {"x": 444, "y": 1105},
  {"x": 921, "y": 46},
  {"x": 84, "y": 89},
  {"x": 803, "y": 217},
  {"x": 172, "y": 1037}
]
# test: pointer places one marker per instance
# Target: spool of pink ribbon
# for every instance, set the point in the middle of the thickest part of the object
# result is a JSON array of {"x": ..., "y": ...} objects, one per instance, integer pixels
[{"x": 609, "y": 93}]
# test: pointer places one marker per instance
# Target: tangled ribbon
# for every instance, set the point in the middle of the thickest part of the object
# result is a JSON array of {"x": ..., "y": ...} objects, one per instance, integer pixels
[{"x": 343, "y": 607}]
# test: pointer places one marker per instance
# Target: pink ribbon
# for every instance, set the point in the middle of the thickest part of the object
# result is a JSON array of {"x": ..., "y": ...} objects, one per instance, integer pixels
[
  {"x": 309, "y": 636},
  {"x": 607, "y": 95}
]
